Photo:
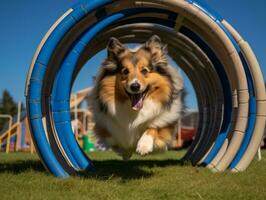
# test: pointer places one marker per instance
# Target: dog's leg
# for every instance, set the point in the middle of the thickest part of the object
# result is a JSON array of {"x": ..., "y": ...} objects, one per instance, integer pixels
[
  {"x": 164, "y": 138},
  {"x": 155, "y": 139},
  {"x": 146, "y": 142},
  {"x": 124, "y": 153},
  {"x": 104, "y": 135}
]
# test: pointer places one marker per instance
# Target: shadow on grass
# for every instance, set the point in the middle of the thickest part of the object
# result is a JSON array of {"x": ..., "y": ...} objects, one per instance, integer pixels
[
  {"x": 126, "y": 170},
  {"x": 104, "y": 169},
  {"x": 21, "y": 166}
]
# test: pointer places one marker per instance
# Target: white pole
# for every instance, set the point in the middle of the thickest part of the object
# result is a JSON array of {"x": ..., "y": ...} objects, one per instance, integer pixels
[
  {"x": 76, "y": 114},
  {"x": 259, "y": 154},
  {"x": 18, "y": 126},
  {"x": 19, "y": 112}
]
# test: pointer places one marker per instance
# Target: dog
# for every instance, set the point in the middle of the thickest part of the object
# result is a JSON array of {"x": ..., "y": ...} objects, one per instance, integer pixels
[{"x": 137, "y": 98}]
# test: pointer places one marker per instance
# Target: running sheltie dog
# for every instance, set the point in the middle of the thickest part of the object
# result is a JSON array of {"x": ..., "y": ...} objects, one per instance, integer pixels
[{"x": 137, "y": 98}]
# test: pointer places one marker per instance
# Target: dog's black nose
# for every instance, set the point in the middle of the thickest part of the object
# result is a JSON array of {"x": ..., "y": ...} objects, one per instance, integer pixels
[{"x": 135, "y": 87}]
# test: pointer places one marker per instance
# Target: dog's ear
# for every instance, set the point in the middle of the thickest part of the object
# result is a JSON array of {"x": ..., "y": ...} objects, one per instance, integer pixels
[
  {"x": 115, "y": 48},
  {"x": 156, "y": 47}
]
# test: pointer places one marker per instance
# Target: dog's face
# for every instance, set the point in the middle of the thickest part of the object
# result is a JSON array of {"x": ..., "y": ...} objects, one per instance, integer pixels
[
  {"x": 134, "y": 76},
  {"x": 139, "y": 74}
]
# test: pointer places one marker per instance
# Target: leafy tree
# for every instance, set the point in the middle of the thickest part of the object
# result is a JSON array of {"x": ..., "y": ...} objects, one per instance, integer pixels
[{"x": 7, "y": 106}]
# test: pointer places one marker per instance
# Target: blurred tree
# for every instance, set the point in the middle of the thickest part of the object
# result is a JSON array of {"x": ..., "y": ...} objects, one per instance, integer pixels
[{"x": 7, "y": 106}]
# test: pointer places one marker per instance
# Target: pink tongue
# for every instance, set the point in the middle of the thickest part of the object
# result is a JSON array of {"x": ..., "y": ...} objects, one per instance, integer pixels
[{"x": 137, "y": 103}]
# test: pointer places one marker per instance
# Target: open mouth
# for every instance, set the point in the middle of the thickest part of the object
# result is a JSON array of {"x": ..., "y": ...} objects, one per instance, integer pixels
[{"x": 137, "y": 99}]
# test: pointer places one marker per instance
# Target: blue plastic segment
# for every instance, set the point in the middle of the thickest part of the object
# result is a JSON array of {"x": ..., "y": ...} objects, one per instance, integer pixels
[
  {"x": 90, "y": 5},
  {"x": 87, "y": 6},
  {"x": 52, "y": 41},
  {"x": 79, "y": 47},
  {"x": 248, "y": 75},
  {"x": 217, "y": 146},
  {"x": 60, "y": 105},
  {"x": 63, "y": 82},
  {"x": 38, "y": 72},
  {"x": 61, "y": 117},
  {"x": 67, "y": 151},
  {"x": 253, "y": 105},
  {"x": 34, "y": 111},
  {"x": 74, "y": 152},
  {"x": 45, "y": 150},
  {"x": 79, "y": 12},
  {"x": 35, "y": 90},
  {"x": 246, "y": 140}
]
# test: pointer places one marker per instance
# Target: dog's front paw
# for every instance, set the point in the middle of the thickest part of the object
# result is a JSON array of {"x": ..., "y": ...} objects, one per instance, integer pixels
[{"x": 145, "y": 144}]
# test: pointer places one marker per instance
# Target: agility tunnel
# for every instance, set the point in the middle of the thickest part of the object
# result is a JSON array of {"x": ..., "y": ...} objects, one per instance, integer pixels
[{"x": 220, "y": 64}]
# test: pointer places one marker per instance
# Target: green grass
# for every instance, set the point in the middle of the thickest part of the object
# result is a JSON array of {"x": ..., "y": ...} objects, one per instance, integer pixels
[{"x": 153, "y": 177}]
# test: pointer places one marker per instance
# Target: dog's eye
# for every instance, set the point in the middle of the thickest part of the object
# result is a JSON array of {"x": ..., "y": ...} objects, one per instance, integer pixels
[
  {"x": 145, "y": 71},
  {"x": 124, "y": 71}
]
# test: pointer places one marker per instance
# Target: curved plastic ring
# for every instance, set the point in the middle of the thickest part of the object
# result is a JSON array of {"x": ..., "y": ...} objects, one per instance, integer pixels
[{"x": 215, "y": 57}]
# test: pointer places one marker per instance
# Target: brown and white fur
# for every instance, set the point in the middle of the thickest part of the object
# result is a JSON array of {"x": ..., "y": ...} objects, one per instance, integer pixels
[{"x": 136, "y": 100}]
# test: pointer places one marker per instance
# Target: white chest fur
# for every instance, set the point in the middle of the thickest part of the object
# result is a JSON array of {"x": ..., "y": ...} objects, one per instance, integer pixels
[{"x": 126, "y": 125}]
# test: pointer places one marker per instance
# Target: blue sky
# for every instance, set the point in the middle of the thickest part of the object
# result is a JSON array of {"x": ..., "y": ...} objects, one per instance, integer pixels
[{"x": 24, "y": 22}]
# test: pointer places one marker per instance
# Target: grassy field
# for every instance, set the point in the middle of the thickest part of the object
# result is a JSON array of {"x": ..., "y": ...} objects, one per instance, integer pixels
[{"x": 153, "y": 177}]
